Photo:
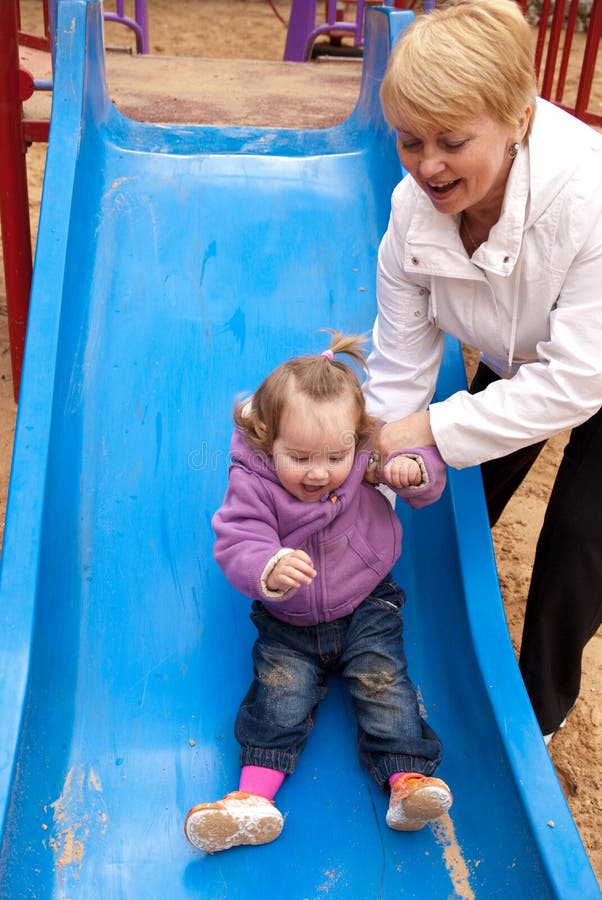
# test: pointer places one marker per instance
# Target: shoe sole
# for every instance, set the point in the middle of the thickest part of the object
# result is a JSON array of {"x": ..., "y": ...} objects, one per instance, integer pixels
[
  {"x": 217, "y": 829},
  {"x": 421, "y": 806}
]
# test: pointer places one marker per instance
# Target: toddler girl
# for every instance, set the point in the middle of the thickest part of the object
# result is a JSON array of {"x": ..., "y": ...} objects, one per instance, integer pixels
[{"x": 312, "y": 543}]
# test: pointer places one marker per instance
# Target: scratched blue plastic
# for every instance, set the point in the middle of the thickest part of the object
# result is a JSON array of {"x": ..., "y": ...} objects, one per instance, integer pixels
[{"x": 175, "y": 267}]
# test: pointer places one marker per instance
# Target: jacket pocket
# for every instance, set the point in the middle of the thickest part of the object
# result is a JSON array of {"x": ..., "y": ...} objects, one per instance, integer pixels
[{"x": 351, "y": 569}]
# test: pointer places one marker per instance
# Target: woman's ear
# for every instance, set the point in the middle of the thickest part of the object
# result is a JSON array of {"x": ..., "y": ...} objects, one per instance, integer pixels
[{"x": 523, "y": 122}]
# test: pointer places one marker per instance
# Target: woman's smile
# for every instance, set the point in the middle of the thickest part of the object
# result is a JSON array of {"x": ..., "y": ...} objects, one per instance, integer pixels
[{"x": 460, "y": 169}]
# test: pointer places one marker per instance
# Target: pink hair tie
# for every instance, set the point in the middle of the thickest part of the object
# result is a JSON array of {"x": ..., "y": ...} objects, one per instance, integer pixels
[{"x": 328, "y": 354}]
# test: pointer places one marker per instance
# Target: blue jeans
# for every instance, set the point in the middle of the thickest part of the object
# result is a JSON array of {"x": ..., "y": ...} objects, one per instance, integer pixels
[{"x": 366, "y": 648}]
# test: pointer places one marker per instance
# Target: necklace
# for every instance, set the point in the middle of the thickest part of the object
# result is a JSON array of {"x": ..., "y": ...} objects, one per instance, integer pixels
[{"x": 468, "y": 234}]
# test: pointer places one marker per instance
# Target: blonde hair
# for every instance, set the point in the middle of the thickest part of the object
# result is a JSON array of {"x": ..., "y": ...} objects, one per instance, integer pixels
[
  {"x": 317, "y": 377},
  {"x": 464, "y": 59}
]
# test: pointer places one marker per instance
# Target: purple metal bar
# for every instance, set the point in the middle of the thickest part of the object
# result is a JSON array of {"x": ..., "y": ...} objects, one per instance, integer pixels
[
  {"x": 302, "y": 29},
  {"x": 139, "y": 25},
  {"x": 341, "y": 28},
  {"x": 301, "y": 21}
]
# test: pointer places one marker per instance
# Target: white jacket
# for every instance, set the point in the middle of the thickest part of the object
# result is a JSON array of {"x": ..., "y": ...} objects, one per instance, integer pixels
[{"x": 529, "y": 299}]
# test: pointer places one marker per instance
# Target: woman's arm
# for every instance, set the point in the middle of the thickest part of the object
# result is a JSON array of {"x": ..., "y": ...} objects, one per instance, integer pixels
[
  {"x": 406, "y": 346},
  {"x": 559, "y": 390}
]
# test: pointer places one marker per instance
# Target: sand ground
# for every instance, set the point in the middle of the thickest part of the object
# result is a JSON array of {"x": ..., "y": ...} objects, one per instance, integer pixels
[{"x": 253, "y": 29}]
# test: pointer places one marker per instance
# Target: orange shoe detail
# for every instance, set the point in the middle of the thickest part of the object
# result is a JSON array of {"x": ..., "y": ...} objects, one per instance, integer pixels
[
  {"x": 239, "y": 818},
  {"x": 415, "y": 800}
]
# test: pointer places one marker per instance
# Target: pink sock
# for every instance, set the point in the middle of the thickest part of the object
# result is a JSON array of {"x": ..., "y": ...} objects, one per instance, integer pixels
[{"x": 259, "y": 780}]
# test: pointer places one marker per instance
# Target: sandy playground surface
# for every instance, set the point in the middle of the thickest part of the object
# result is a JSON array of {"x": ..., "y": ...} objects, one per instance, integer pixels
[{"x": 252, "y": 29}]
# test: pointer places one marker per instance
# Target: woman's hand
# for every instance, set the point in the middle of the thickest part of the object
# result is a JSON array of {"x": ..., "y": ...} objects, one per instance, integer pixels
[{"x": 404, "y": 434}]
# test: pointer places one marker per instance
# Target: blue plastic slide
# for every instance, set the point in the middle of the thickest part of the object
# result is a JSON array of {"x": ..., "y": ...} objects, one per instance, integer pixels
[{"x": 175, "y": 267}]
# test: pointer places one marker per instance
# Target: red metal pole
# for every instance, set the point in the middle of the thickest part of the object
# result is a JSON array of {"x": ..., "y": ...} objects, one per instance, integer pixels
[
  {"x": 14, "y": 201},
  {"x": 553, "y": 44},
  {"x": 566, "y": 50},
  {"x": 589, "y": 64}
]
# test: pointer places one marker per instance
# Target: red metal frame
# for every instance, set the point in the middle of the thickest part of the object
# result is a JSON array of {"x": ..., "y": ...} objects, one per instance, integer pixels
[
  {"x": 16, "y": 134},
  {"x": 14, "y": 200},
  {"x": 550, "y": 72}
]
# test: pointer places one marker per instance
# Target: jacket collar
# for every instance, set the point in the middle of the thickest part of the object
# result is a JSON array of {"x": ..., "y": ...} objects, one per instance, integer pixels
[{"x": 433, "y": 245}]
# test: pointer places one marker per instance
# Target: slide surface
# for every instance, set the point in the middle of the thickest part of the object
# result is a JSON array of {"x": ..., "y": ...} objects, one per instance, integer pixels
[{"x": 175, "y": 267}]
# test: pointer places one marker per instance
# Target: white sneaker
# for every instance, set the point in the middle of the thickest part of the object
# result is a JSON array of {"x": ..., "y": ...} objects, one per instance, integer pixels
[
  {"x": 239, "y": 818},
  {"x": 415, "y": 800},
  {"x": 548, "y": 737}
]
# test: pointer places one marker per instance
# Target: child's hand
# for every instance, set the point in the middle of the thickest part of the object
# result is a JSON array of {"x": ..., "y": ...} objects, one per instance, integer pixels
[
  {"x": 403, "y": 472},
  {"x": 291, "y": 571}
]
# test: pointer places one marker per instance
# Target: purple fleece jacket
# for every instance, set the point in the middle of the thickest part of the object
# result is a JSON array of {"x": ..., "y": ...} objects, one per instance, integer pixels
[{"x": 353, "y": 535}]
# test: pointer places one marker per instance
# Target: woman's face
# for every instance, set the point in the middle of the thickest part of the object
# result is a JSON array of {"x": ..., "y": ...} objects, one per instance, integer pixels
[{"x": 463, "y": 169}]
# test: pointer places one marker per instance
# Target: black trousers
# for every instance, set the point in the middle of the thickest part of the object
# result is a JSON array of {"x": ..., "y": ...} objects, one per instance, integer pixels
[{"x": 564, "y": 604}]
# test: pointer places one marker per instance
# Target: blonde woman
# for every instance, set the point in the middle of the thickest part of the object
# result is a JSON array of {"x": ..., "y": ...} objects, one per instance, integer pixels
[{"x": 496, "y": 238}]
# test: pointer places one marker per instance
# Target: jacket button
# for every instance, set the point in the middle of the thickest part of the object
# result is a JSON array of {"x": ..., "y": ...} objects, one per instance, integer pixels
[
  {"x": 506, "y": 259},
  {"x": 415, "y": 260}
]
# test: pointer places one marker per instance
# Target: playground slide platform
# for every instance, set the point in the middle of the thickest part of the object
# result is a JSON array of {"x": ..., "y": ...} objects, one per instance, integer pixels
[
  {"x": 164, "y": 89},
  {"x": 175, "y": 267}
]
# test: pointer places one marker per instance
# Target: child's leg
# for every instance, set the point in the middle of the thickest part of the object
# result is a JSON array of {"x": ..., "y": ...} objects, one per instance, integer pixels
[
  {"x": 261, "y": 781},
  {"x": 276, "y": 716},
  {"x": 394, "y": 740},
  {"x": 269, "y": 749}
]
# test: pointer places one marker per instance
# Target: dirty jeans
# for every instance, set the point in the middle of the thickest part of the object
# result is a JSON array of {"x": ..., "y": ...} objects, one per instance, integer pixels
[{"x": 366, "y": 648}]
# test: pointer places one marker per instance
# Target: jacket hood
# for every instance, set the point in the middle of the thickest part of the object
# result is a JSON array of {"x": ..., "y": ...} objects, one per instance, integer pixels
[{"x": 254, "y": 460}]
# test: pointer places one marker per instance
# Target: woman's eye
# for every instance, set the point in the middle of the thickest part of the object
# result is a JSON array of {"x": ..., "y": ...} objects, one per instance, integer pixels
[
  {"x": 410, "y": 145},
  {"x": 334, "y": 459},
  {"x": 454, "y": 145}
]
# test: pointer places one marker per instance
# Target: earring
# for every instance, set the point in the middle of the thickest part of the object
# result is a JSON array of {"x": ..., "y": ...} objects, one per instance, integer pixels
[{"x": 513, "y": 149}]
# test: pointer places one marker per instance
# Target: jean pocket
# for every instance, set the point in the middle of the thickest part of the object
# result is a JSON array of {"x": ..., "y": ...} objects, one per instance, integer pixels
[
  {"x": 388, "y": 595},
  {"x": 258, "y": 611}
]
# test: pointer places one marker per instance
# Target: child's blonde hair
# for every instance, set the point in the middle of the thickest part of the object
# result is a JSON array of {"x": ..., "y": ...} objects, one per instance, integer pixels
[
  {"x": 459, "y": 61},
  {"x": 318, "y": 377}
]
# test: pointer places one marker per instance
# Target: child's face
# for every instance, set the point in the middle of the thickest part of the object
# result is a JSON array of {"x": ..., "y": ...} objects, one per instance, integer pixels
[{"x": 315, "y": 448}]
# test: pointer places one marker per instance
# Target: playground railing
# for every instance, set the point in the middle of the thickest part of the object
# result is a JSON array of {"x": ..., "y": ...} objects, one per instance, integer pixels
[
  {"x": 17, "y": 85},
  {"x": 555, "y": 46}
]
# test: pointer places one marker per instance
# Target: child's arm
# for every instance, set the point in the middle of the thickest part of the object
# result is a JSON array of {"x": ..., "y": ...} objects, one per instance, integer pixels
[
  {"x": 247, "y": 545},
  {"x": 418, "y": 475},
  {"x": 404, "y": 472},
  {"x": 291, "y": 570}
]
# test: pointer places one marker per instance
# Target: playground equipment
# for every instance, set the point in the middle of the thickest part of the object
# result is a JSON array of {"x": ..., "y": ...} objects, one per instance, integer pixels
[
  {"x": 303, "y": 30},
  {"x": 138, "y": 24},
  {"x": 175, "y": 266},
  {"x": 17, "y": 85}
]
